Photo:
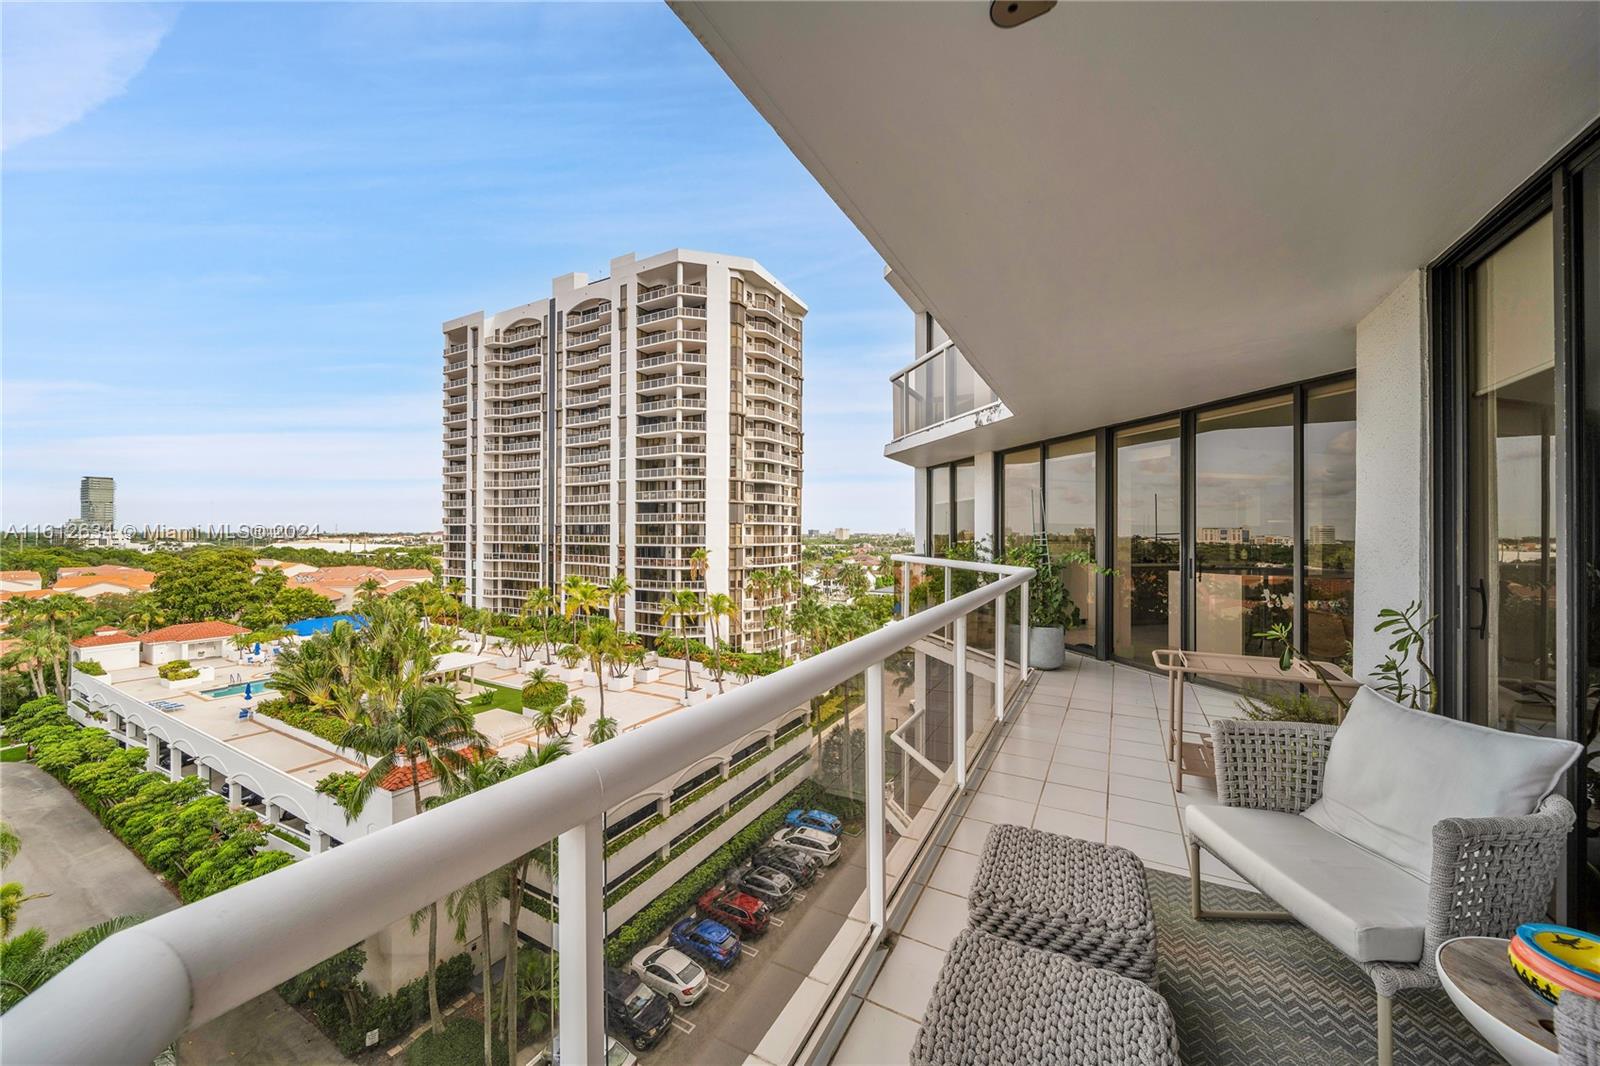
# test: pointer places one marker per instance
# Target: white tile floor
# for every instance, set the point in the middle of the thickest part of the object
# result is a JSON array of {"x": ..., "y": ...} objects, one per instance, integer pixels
[{"x": 1082, "y": 757}]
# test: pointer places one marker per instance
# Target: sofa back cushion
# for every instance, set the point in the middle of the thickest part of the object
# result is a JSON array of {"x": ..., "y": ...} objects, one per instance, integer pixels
[{"x": 1393, "y": 772}]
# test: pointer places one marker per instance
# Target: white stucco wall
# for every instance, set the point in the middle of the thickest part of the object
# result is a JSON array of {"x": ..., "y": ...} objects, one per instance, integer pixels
[
  {"x": 1392, "y": 463},
  {"x": 111, "y": 656}
]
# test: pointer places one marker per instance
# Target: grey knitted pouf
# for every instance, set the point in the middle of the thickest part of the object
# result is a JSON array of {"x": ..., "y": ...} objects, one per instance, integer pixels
[
  {"x": 1086, "y": 900},
  {"x": 998, "y": 1003}
]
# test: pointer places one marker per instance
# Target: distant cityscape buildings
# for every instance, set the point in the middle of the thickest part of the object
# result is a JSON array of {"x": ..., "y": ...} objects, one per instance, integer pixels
[
  {"x": 1322, "y": 535},
  {"x": 97, "y": 501}
]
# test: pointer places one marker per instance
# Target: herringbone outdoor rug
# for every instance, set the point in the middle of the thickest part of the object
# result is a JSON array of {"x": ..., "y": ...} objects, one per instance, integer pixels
[{"x": 1274, "y": 994}]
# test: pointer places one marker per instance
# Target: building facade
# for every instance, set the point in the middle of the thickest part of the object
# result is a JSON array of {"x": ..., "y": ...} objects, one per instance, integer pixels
[
  {"x": 623, "y": 424},
  {"x": 97, "y": 503}
]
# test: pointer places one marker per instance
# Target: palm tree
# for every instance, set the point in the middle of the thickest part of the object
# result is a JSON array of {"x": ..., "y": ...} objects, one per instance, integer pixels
[
  {"x": 456, "y": 589},
  {"x": 480, "y": 896},
  {"x": 582, "y": 596},
  {"x": 10, "y": 843},
  {"x": 598, "y": 640},
  {"x": 516, "y": 878},
  {"x": 547, "y": 719},
  {"x": 700, "y": 566},
  {"x": 542, "y": 604},
  {"x": 719, "y": 606},
  {"x": 617, "y": 590},
  {"x": 143, "y": 618},
  {"x": 684, "y": 608},
  {"x": 12, "y": 897},
  {"x": 777, "y": 617},
  {"x": 602, "y": 730},
  {"x": 572, "y": 713},
  {"x": 428, "y": 729},
  {"x": 28, "y": 961}
]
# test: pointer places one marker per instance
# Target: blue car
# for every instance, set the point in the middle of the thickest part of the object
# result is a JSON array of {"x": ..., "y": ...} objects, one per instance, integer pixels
[
  {"x": 707, "y": 940},
  {"x": 814, "y": 820}
]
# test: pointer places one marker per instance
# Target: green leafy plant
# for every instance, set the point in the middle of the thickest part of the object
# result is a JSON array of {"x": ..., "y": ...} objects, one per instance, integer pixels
[
  {"x": 90, "y": 667},
  {"x": 1299, "y": 707},
  {"x": 176, "y": 670},
  {"x": 1282, "y": 634},
  {"x": 1406, "y": 654}
]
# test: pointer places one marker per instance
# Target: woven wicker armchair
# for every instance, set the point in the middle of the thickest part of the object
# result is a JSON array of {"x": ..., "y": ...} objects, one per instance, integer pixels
[{"x": 1488, "y": 875}]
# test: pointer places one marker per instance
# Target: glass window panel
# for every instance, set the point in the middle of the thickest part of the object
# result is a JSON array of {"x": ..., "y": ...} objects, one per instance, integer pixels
[
  {"x": 1149, "y": 516},
  {"x": 939, "y": 510},
  {"x": 1070, "y": 521},
  {"x": 1244, "y": 519},
  {"x": 1330, "y": 533},
  {"x": 1511, "y": 537},
  {"x": 1022, "y": 506},
  {"x": 966, "y": 501}
]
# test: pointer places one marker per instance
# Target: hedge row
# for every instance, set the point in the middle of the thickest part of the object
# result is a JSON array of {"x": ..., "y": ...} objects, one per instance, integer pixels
[
  {"x": 329, "y": 727},
  {"x": 344, "y": 1007},
  {"x": 622, "y": 840},
  {"x": 666, "y": 908}
]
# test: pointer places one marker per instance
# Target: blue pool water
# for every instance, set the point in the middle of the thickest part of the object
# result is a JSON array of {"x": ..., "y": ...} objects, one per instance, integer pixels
[{"x": 237, "y": 690}]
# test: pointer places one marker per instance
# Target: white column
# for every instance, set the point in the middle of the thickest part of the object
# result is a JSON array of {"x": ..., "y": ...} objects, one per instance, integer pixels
[
  {"x": 905, "y": 590},
  {"x": 319, "y": 840},
  {"x": 958, "y": 702},
  {"x": 580, "y": 936},
  {"x": 235, "y": 795},
  {"x": 152, "y": 745},
  {"x": 1000, "y": 668},
  {"x": 875, "y": 798},
  {"x": 1022, "y": 652}
]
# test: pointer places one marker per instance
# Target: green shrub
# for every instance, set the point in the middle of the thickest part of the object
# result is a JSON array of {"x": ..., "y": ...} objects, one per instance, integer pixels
[
  {"x": 318, "y": 723},
  {"x": 460, "y": 1044},
  {"x": 1300, "y": 707},
  {"x": 176, "y": 670},
  {"x": 344, "y": 1007},
  {"x": 622, "y": 840},
  {"x": 289, "y": 838},
  {"x": 537, "y": 695},
  {"x": 90, "y": 667},
  {"x": 341, "y": 785}
]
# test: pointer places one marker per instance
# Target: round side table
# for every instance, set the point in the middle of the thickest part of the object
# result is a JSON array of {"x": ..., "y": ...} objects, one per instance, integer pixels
[{"x": 1477, "y": 976}]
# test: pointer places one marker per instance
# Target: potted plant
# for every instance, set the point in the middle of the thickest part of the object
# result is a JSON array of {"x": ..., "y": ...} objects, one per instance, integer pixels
[{"x": 1051, "y": 611}]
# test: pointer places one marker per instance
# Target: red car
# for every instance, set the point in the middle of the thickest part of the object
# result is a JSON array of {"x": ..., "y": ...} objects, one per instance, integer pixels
[{"x": 738, "y": 909}]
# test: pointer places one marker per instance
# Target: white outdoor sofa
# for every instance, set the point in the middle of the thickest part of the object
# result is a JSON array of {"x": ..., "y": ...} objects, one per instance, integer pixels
[{"x": 1388, "y": 836}]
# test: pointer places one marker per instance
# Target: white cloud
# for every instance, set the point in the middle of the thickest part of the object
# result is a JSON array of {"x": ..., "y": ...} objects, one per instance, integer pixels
[{"x": 61, "y": 61}]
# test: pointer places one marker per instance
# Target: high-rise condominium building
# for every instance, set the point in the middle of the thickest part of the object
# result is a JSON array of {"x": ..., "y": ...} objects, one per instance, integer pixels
[
  {"x": 97, "y": 501},
  {"x": 621, "y": 424}
]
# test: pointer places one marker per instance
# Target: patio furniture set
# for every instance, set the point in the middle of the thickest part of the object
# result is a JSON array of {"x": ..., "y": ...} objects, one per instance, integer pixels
[{"x": 1389, "y": 836}]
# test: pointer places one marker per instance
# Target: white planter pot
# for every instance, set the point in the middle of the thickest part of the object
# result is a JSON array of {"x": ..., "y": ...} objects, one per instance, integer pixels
[
  {"x": 570, "y": 674},
  {"x": 619, "y": 684},
  {"x": 645, "y": 674},
  {"x": 206, "y": 675},
  {"x": 1047, "y": 647},
  {"x": 699, "y": 695}
]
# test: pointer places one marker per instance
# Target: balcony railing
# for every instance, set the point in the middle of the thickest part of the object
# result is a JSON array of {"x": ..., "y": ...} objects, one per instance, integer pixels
[
  {"x": 134, "y": 994},
  {"x": 936, "y": 388}
]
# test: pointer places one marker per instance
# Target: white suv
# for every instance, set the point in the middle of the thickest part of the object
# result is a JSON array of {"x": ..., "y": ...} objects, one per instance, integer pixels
[{"x": 824, "y": 846}]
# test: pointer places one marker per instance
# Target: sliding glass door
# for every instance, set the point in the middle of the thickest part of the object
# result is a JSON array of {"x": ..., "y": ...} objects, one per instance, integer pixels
[
  {"x": 1245, "y": 530},
  {"x": 1149, "y": 524},
  {"x": 1071, "y": 519},
  {"x": 1511, "y": 528}
]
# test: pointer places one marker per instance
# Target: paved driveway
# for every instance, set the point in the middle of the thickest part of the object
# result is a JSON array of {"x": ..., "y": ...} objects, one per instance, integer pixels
[{"x": 91, "y": 877}]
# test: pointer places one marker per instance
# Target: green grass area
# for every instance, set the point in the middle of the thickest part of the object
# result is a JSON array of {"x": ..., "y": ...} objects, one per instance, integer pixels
[
  {"x": 15, "y": 753},
  {"x": 506, "y": 699}
]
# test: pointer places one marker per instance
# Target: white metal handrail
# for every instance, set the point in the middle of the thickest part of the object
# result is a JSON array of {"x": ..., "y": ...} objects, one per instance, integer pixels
[{"x": 136, "y": 993}]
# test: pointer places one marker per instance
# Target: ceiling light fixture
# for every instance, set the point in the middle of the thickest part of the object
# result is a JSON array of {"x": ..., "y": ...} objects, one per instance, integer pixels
[{"x": 1009, "y": 14}]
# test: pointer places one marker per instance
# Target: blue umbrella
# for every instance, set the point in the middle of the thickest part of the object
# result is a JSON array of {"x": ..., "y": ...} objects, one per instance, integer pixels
[
  {"x": 257, "y": 650},
  {"x": 247, "y": 691}
]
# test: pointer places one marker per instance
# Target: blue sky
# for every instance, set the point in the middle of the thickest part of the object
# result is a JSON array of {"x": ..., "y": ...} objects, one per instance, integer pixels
[{"x": 231, "y": 232}]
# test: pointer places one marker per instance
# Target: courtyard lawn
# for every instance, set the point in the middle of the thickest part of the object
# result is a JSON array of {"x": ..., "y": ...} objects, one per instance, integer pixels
[{"x": 493, "y": 696}]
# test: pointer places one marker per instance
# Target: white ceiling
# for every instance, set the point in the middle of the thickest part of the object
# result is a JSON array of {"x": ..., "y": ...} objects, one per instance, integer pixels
[{"x": 1122, "y": 209}]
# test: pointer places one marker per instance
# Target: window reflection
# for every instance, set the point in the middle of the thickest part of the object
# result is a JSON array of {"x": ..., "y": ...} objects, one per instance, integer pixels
[
  {"x": 1149, "y": 517},
  {"x": 1330, "y": 531}
]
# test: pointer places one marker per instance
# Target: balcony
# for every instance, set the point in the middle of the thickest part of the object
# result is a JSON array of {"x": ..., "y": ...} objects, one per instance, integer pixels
[
  {"x": 593, "y": 314},
  {"x": 657, "y": 293},
  {"x": 654, "y": 341},
  {"x": 937, "y": 389},
  {"x": 665, "y": 358},
  {"x": 588, "y": 358},
  {"x": 668, "y": 313}
]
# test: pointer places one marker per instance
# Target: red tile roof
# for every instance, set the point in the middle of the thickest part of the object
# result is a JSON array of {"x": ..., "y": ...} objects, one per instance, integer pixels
[
  {"x": 399, "y": 778},
  {"x": 104, "y": 636},
  {"x": 192, "y": 631},
  {"x": 20, "y": 575}
]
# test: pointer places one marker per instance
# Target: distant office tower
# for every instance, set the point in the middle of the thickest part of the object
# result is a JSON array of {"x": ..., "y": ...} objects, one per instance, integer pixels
[
  {"x": 619, "y": 425},
  {"x": 97, "y": 501},
  {"x": 1322, "y": 535},
  {"x": 1223, "y": 535}
]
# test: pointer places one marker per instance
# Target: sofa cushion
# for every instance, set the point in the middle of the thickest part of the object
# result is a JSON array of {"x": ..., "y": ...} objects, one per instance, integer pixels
[
  {"x": 1364, "y": 905},
  {"x": 1393, "y": 772}
]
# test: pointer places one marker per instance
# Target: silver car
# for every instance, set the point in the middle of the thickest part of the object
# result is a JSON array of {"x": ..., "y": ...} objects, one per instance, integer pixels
[
  {"x": 824, "y": 846},
  {"x": 667, "y": 970}
]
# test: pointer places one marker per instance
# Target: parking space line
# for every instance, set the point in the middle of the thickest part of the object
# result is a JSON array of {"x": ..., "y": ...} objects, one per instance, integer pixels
[
  {"x": 683, "y": 1025},
  {"x": 718, "y": 983},
  {"x": 799, "y": 897},
  {"x": 776, "y": 921},
  {"x": 750, "y": 951}
]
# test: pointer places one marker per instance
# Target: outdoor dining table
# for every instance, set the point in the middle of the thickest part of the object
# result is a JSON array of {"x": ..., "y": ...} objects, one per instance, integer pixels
[{"x": 1180, "y": 665}]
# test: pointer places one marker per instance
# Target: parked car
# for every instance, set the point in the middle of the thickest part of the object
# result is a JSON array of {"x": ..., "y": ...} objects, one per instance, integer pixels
[
  {"x": 814, "y": 820},
  {"x": 672, "y": 973},
  {"x": 706, "y": 940},
  {"x": 635, "y": 1010},
  {"x": 799, "y": 868},
  {"x": 771, "y": 886},
  {"x": 812, "y": 842},
  {"x": 736, "y": 909}
]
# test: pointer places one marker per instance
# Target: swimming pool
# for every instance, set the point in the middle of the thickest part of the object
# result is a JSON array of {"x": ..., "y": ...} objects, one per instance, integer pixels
[{"x": 237, "y": 690}]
